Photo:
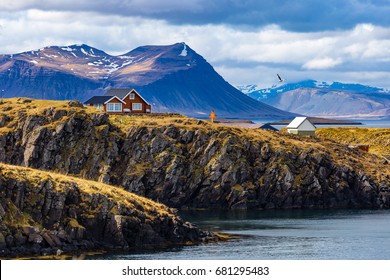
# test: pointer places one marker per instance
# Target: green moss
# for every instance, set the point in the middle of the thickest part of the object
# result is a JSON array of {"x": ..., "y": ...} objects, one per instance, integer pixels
[{"x": 16, "y": 218}]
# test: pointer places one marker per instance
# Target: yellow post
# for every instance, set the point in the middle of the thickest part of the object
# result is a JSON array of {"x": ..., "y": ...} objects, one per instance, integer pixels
[{"x": 212, "y": 116}]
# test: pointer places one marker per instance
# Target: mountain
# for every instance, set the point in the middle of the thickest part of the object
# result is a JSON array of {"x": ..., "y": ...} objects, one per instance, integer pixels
[
  {"x": 172, "y": 78},
  {"x": 325, "y": 100}
]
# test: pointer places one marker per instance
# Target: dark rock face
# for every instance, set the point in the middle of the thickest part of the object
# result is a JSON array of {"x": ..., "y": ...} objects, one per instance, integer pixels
[
  {"x": 200, "y": 168},
  {"x": 69, "y": 219}
]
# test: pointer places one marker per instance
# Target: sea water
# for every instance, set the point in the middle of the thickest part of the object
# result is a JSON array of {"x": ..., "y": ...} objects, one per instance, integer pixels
[{"x": 284, "y": 235}]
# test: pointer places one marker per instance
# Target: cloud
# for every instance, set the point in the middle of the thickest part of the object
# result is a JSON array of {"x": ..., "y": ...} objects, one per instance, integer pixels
[
  {"x": 240, "y": 54},
  {"x": 297, "y": 15},
  {"x": 322, "y": 63}
]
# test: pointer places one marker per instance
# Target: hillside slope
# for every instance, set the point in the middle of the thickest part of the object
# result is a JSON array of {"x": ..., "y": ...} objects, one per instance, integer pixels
[
  {"x": 184, "y": 162},
  {"x": 326, "y": 100},
  {"x": 172, "y": 78},
  {"x": 46, "y": 213}
]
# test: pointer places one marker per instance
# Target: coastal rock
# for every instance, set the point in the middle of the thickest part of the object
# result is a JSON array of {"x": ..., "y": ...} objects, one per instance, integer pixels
[
  {"x": 191, "y": 164},
  {"x": 3, "y": 243},
  {"x": 19, "y": 239},
  {"x": 35, "y": 238},
  {"x": 46, "y": 212}
]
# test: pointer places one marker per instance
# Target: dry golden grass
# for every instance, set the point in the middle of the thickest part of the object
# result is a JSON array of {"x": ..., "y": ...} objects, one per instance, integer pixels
[
  {"x": 377, "y": 138},
  {"x": 331, "y": 141},
  {"x": 86, "y": 187},
  {"x": 277, "y": 140},
  {"x": 16, "y": 109}
]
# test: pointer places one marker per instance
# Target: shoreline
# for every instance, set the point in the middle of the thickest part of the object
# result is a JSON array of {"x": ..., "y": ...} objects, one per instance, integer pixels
[{"x": 81, "y": 254}]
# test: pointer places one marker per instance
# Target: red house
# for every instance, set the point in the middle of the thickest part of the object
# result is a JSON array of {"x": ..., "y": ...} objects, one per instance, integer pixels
[{"x": 118, "y": 100}]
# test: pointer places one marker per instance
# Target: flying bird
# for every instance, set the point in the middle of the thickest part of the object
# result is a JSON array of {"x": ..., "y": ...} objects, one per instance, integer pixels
[{"x": 280, "y": 79}]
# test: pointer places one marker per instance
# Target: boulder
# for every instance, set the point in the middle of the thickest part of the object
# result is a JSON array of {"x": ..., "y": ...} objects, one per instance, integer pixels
[
  {"x": 19, "y": 239},
  {"x": 35, "y": 238},
  {"x": 75, "y": 103},
  {"x": 28, "y": 230},
  {"x": 48, "y": 239}
]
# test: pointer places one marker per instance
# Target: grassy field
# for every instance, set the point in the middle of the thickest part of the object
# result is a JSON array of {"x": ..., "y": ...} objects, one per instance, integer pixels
[
  {"x": 12, "y": 110},
  {"x": 377, "y": 138}
]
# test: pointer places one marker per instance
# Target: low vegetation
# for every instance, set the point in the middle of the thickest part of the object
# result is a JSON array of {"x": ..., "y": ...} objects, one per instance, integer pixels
[
  {"x": 12, "y": 110},
  {"x": 61, "y": 183},
  {"x": 171, "y": 157},
  {"x": 377, "y": 138}
]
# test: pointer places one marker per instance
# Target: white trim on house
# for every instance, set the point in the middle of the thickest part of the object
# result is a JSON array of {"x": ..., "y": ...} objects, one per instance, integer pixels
[
  {"x": 131, "y": 91},
  {"x": 98, "y": 106},
  {"x": 116, "y": 98},
  {"x": 117, "y": 107},
  {"x": 136, "y": 106}
]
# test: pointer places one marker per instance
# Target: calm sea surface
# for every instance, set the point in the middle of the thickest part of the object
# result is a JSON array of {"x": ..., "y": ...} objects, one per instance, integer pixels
[{"x": 285, "y": 234}]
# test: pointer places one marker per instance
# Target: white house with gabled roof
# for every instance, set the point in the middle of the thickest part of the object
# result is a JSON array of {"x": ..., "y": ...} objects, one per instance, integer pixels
[{"x": 301, "y": 126}]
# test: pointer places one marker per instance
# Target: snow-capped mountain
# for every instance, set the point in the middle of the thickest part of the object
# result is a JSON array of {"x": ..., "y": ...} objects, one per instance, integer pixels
[
  {"x": 326, "y": 99},
  {"x": 173, "y": 78}
]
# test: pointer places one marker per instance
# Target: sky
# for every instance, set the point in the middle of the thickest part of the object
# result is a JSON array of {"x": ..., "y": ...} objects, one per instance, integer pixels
[{"x": 246, "y": 41}]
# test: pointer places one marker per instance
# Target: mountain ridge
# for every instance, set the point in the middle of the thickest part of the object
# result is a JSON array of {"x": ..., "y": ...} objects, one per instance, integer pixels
[
  {"x": 323, "y": 99},
  {"x": 173, "y": 78}
]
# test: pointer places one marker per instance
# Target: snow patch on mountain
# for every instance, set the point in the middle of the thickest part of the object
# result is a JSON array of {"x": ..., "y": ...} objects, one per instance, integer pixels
[
  {"x": 247, "y": 88},
  {"x": 68, "y": 49},
  {"x": 184, "y": 51},
  {"x": 316, "y": 98}
]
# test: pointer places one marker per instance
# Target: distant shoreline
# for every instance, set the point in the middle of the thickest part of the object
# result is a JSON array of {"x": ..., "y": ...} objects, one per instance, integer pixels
[
  {"x": 321, "y": 121},
  {"x": 316, "y": 121}
]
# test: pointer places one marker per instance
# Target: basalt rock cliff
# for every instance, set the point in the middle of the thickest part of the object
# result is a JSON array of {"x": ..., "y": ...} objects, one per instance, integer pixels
[
  {"x": 184, "y": 162},
  {"x": 45, "y": 213}
]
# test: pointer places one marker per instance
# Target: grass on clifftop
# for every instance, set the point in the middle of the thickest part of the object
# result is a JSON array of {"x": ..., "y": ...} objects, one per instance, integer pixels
[
  {"x": 16, "y": 108},
  {"x": 13, "y": 109},
  {"x": 61, "y": 182},
  {"x": 377, "y": 138}
]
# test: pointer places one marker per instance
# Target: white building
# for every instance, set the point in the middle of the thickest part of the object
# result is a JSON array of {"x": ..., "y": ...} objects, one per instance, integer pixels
[{"x": 301, "y": 126}]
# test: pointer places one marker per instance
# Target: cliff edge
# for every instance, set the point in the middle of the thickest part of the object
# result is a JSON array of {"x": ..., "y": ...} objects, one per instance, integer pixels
[
  {"x": 44, "y": 213},
  {"x": 189, "y": 163}
]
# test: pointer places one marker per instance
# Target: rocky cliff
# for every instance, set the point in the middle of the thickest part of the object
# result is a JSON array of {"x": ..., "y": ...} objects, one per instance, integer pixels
[
  {"x": 48, "y": 213},
  {"x": 185, "y": 162}
]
